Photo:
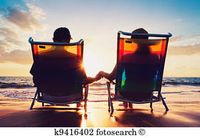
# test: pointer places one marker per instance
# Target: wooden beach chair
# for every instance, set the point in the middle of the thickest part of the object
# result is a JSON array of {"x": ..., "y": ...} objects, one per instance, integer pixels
[
  {"x": 52, "y": 56},
  {"x": 136, "y": 74}
]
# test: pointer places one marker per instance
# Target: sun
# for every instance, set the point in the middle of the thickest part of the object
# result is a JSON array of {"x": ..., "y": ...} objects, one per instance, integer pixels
[{"x": 91, "y": 63}]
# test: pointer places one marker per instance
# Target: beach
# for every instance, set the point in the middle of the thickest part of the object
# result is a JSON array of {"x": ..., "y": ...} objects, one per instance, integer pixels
[{"x": 183, "y": 102}]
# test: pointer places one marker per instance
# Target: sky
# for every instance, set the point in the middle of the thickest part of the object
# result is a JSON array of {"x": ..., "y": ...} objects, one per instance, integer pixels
[{"x": 97, "y": 22}]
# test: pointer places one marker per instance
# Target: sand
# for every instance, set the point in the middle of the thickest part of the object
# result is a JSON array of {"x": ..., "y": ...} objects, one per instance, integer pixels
[{"x": 184, "y": 112}]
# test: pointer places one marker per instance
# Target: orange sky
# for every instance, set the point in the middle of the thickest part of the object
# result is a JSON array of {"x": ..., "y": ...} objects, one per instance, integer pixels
[{"x": 97, "y": 22}]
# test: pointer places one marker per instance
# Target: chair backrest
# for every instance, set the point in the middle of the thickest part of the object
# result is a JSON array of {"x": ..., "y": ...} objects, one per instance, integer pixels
[
  {"x": 140, "y": 62},
  {"x": 56, "y": 49},
  {"x": 58, "y": 64}
]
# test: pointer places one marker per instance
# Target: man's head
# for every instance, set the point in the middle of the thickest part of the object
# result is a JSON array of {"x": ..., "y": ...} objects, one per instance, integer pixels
[
  {"x": 139, "y": 31},
  {"x": 62, "y": 34}
]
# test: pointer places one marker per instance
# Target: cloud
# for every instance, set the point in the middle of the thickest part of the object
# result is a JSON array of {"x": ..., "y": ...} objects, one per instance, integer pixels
[
  {"x": 184, "y": 45},
  {"x": 185, "y": 40},
  {"x": 7, "y": 32},
  {"x": 16, "y": 24},
  {"x": 186, "y": 50},
  {"x": 36, "y": 12},
  {"x": 9, "y": 37},
  {"x": 175, "y": 39},
  {"x": 15, "y": 56},
  {"x": 23, "y": 19}
]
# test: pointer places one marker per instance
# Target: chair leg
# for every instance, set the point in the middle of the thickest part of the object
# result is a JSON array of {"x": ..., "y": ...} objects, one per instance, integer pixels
[
  {"x": 41, "y": 96},
  {"x": 85, "y": 106},
  {"x": 151, "y": 106},
  {"x": 110, "y": 103},
  {"x": 86, "y": 98},
  {"x": 164, "y": 103},
  {"x": 130, "y": 105},
  {"x": 112, "y": 108},
  {"x": 151, "y": 103},
  {"x": 109, "y": 97},
  {"x": 33, "y": 101}
]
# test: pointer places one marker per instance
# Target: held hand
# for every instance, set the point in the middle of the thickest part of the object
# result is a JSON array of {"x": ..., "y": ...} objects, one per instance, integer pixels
[
  {"x": 98, "y": 76},
  {"x": 106, "y": 75},
  {"x": 102, "y": 74}
]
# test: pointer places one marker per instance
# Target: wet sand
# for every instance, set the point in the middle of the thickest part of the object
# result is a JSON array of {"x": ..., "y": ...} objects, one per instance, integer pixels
[{"x": 183, "y": 113}]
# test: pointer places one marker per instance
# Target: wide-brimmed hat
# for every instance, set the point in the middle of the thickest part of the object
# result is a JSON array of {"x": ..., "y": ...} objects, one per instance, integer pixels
[
  {"x": 145, "y": 42},
  {"x": 140, "y": 36}
]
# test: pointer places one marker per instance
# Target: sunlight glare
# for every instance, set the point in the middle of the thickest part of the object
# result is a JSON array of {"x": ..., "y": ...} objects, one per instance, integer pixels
[{"x": 91, "y": 63}]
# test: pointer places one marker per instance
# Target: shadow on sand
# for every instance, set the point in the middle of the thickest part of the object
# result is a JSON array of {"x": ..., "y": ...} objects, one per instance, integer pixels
[
  {"x": 45, "y": 117},
  {"x": 73, "y": 117},
  {"x": 146, "y": 118}
]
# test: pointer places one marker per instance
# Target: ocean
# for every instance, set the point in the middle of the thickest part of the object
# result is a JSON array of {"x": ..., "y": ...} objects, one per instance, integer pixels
[{"x": 22, "y": 88}]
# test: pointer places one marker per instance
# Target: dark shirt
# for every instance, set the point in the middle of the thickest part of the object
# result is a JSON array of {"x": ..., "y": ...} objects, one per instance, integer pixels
[
  {"x": 136, "y": 73},
  {"x": 58, "y": 75}
]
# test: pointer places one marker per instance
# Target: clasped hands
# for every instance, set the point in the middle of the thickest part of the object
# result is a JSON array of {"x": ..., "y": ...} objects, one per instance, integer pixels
[{"x": 100, "y": 75}]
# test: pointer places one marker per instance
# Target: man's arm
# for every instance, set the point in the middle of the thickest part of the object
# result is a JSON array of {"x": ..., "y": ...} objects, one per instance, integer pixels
[{"x": 90, "y": 80}]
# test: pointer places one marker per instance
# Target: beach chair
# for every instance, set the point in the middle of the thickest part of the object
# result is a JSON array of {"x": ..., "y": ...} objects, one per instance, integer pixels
[
  {"x": 54, "y": 53},
  {"x": 134, "y": 76}
]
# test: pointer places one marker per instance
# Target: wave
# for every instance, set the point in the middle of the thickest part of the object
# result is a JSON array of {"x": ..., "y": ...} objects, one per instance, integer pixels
[
  {"x": 14, "y": 85},
  {"x": 182, "y": 81},
  {"x": 26, "y": 82}
]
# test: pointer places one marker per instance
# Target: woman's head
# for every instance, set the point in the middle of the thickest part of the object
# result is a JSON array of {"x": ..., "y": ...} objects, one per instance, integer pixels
[
  {"x": 62, "y": 34},
  {"x": 139, "y": 31},
  {"x": 142, "y": 48}
]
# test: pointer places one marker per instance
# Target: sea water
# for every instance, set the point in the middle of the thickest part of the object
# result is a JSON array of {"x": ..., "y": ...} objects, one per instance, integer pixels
[{"x": 23, "y": 88}]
